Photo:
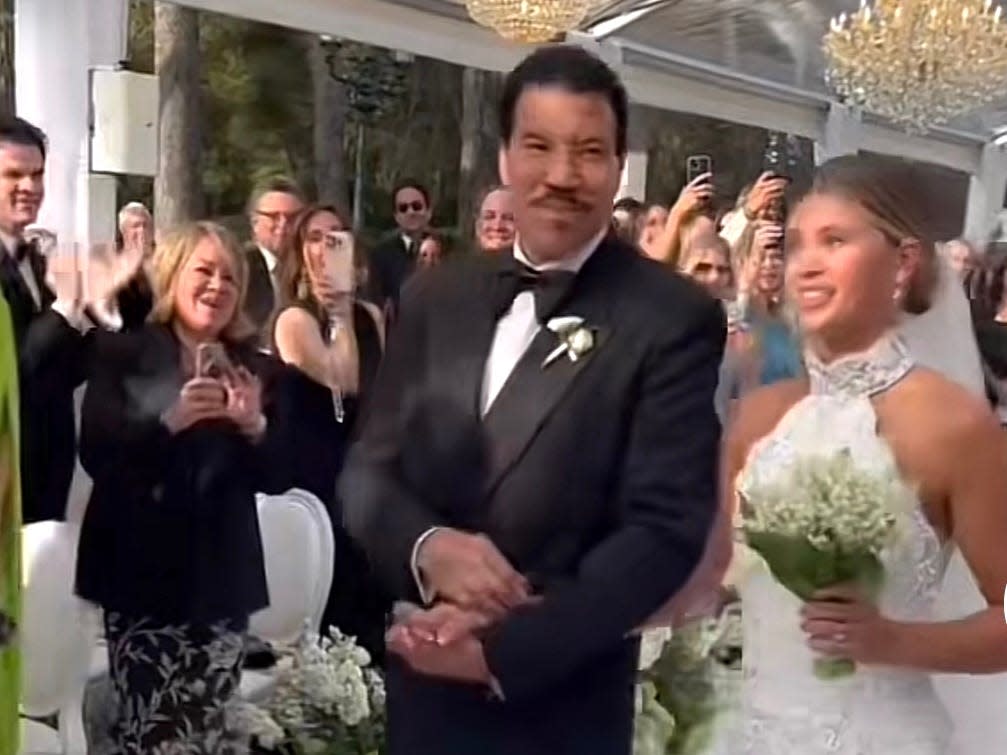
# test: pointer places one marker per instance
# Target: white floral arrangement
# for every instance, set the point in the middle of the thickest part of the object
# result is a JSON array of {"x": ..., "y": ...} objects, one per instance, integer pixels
[
  {"x": 677, "y": 692},
  {"x": 827, "y": 522},
  {"x": 328, "y": 700}
]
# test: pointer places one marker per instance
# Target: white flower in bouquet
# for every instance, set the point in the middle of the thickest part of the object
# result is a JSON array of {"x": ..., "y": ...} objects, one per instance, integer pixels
[
  {"x": 824, "y": 523},
  {"x": 652, "y": 644},
  {"x": 326, "y": 696},
  {"x": 253, "y": 721}
]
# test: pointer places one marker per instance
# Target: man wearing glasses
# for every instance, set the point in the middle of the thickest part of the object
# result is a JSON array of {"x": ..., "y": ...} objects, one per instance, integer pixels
[
  {"x": 394, "y": 259},
  {"x": 271, "y": 210}
]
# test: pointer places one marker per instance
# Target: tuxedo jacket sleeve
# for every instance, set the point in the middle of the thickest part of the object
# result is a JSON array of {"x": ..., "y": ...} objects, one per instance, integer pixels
[
  {"x": 666, "y": 502},
  {"x": 380, "y": 511}
]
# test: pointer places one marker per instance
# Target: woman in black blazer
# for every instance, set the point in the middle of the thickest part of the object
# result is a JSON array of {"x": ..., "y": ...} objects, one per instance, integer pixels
[{"x": 170, "y": 545}]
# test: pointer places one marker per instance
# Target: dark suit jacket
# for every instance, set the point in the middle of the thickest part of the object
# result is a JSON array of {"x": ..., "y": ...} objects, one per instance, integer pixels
[
  {"x": 391, "y": 264},
  {"x": 51, "y": 364},
  {"x": 171, "y": 530},
  {"x": 260, "y": 299},
  {"x": 600, "y": 485}
]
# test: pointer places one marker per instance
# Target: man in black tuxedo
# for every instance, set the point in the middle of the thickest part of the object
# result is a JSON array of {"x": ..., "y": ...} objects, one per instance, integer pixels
[
  {"x": 48, "y": 329},
  {"x": 393, "y": 260},
  {"x": 542, "y": 495},
  {"x": 272, "y": 209}
]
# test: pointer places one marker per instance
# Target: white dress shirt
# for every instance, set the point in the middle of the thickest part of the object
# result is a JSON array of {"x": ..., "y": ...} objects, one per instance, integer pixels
[
  {"x": 515, "y": 332},
  {"x": 517, "y": 329},
  {"x": 271, "y": 262}
]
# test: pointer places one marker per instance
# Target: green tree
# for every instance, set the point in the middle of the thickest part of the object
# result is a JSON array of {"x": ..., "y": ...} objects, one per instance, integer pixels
[{"x": 178, "y": 190}]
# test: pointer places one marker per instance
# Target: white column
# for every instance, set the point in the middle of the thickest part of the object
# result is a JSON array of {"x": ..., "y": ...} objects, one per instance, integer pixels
[
  {"x": 986, "y": 195},
  {"x": 634, "y": 173},
  {"x": 841, "y": 134},
  {"x": 57, "y": 42}
]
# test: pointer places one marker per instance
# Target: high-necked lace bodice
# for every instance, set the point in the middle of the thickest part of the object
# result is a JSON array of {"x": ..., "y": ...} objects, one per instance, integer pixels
[{"x": 878, "y": 711}]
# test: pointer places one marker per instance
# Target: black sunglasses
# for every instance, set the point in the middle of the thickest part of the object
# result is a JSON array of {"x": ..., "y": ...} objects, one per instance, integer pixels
[{"x": 415, "y": 206}]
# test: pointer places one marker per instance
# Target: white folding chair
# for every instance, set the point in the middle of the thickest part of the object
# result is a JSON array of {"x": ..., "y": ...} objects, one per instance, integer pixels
[
  {"x": 57, "y": 633},
  {"x": 299, "y": 552}
]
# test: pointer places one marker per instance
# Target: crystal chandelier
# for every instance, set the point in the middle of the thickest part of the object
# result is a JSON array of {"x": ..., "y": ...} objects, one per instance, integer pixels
[
  {"x": 529, "y": 21},
  {"x": 919, "y": 63}
]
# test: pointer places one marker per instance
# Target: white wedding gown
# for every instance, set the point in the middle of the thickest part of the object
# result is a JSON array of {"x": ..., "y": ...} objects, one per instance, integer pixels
[{"x": 785, "y": 709}]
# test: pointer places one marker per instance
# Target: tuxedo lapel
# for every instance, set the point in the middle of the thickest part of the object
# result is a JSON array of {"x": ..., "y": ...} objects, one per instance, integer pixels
[
  {"x": 529, "y": 397},
  {"x": 460, "y": 357},
  {"x": 38, "y": 267},
  {"x": 534, "y": 390},
  {"x": 16, "y": 291}
]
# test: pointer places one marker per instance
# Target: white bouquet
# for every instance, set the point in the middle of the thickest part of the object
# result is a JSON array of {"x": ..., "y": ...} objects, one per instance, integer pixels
[
  {"x": 327, "y": 701},
  {"x": 826, "y": 523}
]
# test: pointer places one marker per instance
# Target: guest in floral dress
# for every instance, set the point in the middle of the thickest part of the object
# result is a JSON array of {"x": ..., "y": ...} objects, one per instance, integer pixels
[
  {"x": 10, "y": 536},
  {"x": 170, "y": 543}
]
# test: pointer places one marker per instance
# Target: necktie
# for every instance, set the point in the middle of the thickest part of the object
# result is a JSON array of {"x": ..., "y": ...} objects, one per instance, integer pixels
[
  {"x": 22, "y": 250},
  {"x": 550, "y": 288}
]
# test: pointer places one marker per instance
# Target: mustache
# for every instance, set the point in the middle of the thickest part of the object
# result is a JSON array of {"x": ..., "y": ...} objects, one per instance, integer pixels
[{"x": 559, "y": 201}]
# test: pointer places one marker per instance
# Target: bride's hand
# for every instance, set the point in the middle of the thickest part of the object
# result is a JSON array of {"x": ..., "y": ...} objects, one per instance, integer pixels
[{"x": 843, "y": 623}]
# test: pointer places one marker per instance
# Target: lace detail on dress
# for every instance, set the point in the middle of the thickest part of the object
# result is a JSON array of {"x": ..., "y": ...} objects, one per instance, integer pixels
[
  {"x": 866, "y": 374},
  {"x": 878, "y": 711}
]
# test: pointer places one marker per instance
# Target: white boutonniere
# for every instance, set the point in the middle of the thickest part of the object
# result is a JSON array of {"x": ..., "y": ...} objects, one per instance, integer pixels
[{"x": 575, "y": 339}]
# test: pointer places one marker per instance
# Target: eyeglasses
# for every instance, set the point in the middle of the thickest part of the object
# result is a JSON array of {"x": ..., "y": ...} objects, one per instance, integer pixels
[
  {"x": 416, "y": 206},
  {"x": 276, "y": 217}
]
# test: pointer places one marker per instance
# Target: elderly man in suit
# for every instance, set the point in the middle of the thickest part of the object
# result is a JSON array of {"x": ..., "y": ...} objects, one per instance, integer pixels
[
  {"x": 539, "y": 466},
  {"x": 272, "y": 209}
]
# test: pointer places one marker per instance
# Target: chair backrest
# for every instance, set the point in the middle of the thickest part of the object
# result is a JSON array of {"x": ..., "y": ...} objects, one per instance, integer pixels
[
  {"x": 299, "y": 552},
  {"x": 58, "y": 629}
]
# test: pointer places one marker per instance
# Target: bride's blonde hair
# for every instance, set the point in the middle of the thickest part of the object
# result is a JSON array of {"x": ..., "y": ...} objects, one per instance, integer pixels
[{"x": 897, "y": 197}]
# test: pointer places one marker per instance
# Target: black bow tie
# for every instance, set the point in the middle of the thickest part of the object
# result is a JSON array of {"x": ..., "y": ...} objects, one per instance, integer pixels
[{"x": 550, "y": 288}]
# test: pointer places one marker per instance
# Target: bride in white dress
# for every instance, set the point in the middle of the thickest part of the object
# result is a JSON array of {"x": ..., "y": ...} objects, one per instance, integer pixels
[{"x": 855, "y": 247}]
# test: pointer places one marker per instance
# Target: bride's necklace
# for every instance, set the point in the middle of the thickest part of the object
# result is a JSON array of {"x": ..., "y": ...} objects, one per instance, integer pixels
[{"x": 866, "y": 373}]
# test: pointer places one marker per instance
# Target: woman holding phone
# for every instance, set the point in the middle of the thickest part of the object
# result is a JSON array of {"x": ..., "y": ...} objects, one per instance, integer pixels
[
  {"x": 336, "y": 340},
  {"x": 178, "y": 433},
  {"x": 774, "y": 343}
]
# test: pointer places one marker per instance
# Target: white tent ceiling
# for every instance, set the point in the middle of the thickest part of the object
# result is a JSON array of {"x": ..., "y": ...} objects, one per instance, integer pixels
[
  {"x": 779, "y": 41},
  {"x": 756, "y": 62}
]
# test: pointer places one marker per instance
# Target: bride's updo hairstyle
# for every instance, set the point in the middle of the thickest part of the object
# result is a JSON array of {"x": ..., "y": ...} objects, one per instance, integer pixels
[{"x": 897, "y": 197}]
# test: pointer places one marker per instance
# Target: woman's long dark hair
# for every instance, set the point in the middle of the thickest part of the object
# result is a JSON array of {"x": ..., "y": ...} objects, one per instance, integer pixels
[{"x": 292, "y": 275}]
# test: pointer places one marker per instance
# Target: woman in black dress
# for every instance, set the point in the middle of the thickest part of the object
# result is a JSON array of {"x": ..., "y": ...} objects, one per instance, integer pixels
[
  {"x": 336, "y": 340},
  {"x": 177, "y": 445}
]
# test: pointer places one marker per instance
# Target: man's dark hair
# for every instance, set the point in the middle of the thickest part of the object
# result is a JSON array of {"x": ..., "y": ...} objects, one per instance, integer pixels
[
  {"x": 411, "y": 183},
  {"x": 629, "y": 204},
  {"x": 568, "y": 67},
  {"x": 278, "y": 184},
  {"x": 14, "y": 130}
]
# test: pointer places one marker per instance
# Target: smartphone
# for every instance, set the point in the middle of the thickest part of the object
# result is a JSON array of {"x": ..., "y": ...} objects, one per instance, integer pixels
[
  {"x": 212, "y": 361},
  {"x": 696, "y": 166},
  {"x": 337, "y": 262}
]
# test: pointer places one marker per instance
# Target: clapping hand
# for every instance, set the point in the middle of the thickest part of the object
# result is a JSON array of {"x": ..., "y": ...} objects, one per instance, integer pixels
[
  {"x": 94, "y": 276},
  {"x": 244, "y": 403}
]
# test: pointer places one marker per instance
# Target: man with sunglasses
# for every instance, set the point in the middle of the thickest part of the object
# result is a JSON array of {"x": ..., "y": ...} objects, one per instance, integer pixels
[
  {"x": 394, "y": 259},
  {"x": 271, "y": 212}
]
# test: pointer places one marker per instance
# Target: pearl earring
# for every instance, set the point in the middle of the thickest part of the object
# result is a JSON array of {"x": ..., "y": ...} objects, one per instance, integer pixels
[{"x": 897, "y": 294}]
